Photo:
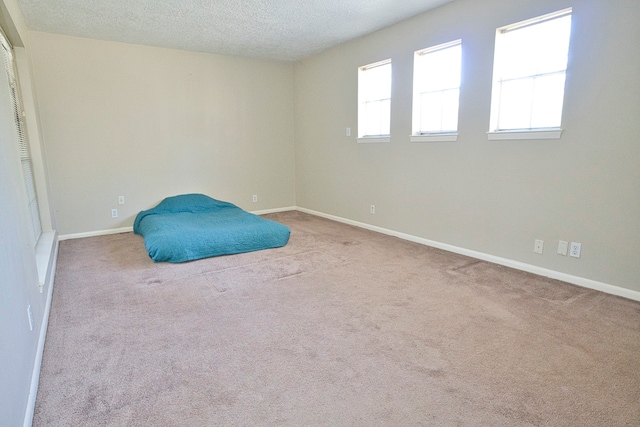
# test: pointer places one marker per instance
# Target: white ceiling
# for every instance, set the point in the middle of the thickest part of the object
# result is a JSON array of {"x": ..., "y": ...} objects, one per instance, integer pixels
[{"x": 284, "y": 30}]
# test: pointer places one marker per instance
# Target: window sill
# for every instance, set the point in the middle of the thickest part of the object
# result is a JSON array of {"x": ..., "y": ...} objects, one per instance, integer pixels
[
  {"x": 434, "y": 137},
  {"x": 45, "y": 254},
  {"x": 372, "y": 139},
  {"x": 525, "y": 134}
]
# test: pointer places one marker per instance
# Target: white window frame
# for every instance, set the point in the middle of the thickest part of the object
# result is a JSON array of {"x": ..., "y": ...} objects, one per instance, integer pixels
[
  {"x": 442, "y": 135},
  {"x": 495, "y": 133},
  {"x": 35, "y": 231},
  {"x": 363, "y": 100}
]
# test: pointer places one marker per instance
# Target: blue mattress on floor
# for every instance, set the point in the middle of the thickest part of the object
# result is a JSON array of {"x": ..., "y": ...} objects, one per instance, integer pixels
[{"x": 193, "y": 226}]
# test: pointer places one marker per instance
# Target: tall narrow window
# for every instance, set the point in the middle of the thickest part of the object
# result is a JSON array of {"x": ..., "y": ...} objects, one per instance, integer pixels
[
  {"x": 25, "y": 157},
  {"x": 529, "y": 73},
  {"x": 374, "y": 96},
  {"x": 436, "y": 92}
]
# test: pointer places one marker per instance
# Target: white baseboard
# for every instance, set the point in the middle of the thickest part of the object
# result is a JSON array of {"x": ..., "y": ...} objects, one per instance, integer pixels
[
  {"x": 95, "y": 233},
  {"x": 35, "y": 376},
  {"x": 575, "y": 280},
  {"x": 276, "y": 210}
]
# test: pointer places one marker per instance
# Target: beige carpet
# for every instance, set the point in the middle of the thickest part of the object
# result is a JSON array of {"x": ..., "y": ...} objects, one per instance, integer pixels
[{"x": 341, "y": 327}]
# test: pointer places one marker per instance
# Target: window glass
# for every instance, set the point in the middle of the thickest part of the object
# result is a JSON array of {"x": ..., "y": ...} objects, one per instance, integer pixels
[
  {"x": 436, "y": 88},
  {"x": 374, "y": 93},
  {"x": 529, "y": 73}
]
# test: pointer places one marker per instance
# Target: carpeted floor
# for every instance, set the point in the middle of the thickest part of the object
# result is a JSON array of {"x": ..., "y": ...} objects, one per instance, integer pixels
[{"x": 341, "y": 327}]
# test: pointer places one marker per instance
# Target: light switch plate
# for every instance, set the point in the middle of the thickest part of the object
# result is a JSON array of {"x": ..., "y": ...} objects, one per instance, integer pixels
[{"x": 562, "y": 247}]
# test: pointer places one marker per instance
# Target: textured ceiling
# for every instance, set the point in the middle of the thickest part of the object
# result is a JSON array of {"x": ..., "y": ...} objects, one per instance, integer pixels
[{"x": 284, "y": 30}]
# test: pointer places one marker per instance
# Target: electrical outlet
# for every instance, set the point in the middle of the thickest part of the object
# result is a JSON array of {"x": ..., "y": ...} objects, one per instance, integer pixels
[
  {"x": 121, "y": 200},
  {"x": 538, "y": 246},
  {"x": 372, "y": 209},
  {"x": 114, "y": 213},
  {"x": 562, "y": 247},
  {"x": 255, "y": 198},
  {"x": 574, "y": 249},
  {"x": 348, "y": 133}
]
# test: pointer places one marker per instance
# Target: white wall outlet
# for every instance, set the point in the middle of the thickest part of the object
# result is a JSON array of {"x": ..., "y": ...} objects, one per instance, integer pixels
[
  {"x": 372, "y": 209},
  {"x": 255, "y": 198},
  {"x": 114, "y": 213},
  {"x": 538, "y": 246},
  {"x": 348, "y": 133},
  {"x": 574, "y": 249},
  {"x": 562, "y": 247},
  {"x": 121, "y": 200}
]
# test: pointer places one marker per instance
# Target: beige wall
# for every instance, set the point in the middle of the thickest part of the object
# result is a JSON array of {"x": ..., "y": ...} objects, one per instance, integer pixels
[
  {"x": 494, "y": 197},
  {"x": 147, "y": 123}
]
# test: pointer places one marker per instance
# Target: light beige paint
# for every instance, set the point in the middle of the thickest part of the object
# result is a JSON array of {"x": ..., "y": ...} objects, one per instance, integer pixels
[
  {"x": 147, "y": 123},
  {"x": 494, "y": 197}
]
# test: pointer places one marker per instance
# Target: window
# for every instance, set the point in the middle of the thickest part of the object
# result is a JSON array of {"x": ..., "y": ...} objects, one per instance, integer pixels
[
  {"x": 25, "y": 157},
  {"x": 436, "y": 92},
  {"x": 374, "y": 102},
  {"x": 528, "y": 77}
]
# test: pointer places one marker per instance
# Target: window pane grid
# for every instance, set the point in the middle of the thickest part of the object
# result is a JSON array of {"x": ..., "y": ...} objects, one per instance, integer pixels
[
  {"x": 534, "y": 76},
  {"x": 544, "y": 108},
  {"x": 375, "y": 99},
  {"x": 437, "y": 76},
  {"x": 442, "y": 89},
  {"x": 439, "y": 111},
  {"x": 529, "y": 73},
  {"x": 377, "y": 118}
]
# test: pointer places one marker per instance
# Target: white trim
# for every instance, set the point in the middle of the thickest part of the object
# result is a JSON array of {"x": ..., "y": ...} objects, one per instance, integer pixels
[
  {"x": 276, "y": 210},
  {"x": 525, "y": 134},
  {"x": 537, "y": 20},
  {"x": 575, "y": 280},
  {"x": 35, "y": 376},
  {"x": 373, "y": 139},
  {"x": 375, "y": 64},
  {"x": 438, "y": 47},
  {"x": 45, "y": 248},
  {"x": 95, "y": 233},
  {"x": 434, "y": 137}
]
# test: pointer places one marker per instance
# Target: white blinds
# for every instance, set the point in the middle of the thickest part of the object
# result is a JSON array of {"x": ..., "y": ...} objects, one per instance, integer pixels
[{"x": 23, "y": 145}]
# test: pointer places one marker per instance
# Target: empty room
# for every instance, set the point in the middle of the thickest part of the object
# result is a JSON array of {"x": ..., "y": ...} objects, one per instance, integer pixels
[{"x": 340, "y": 213}]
